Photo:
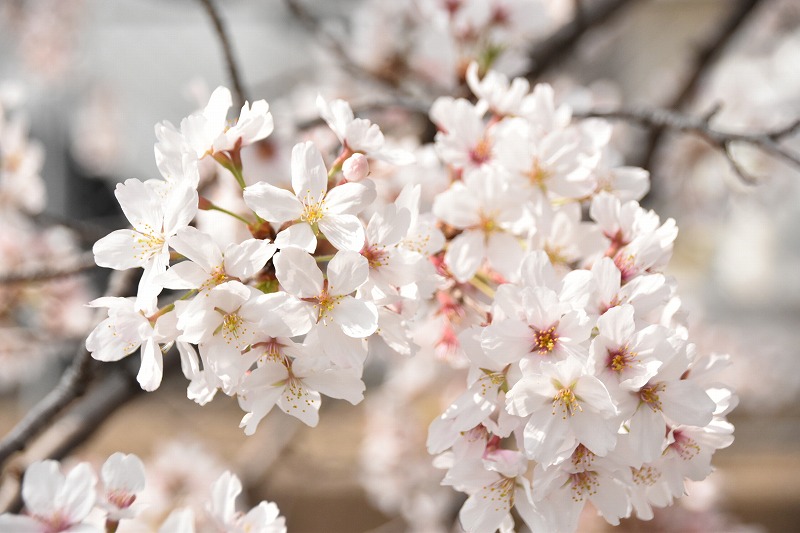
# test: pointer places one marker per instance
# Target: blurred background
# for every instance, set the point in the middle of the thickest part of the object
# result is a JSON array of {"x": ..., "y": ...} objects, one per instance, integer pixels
[{"x": 93, "y": 77}]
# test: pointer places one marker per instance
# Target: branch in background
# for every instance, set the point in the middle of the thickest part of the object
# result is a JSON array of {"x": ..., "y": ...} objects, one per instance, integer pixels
[
  {"x": 559, "y": 45},
  {"x": 331, "y": 43},
  {"x": 87, "y": 232},
  {"x": 70, "y": 431},
  {"x": 68, "y": 267},
  {"x": 233, "y": 70},
  {"x": 706, "y": 56},
  {"x": 73, "y": 384},
  {"x": 665, "y": 119}
]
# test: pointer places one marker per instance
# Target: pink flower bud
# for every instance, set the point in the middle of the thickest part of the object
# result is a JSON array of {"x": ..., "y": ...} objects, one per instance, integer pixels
[{"x": 356, "y": 167}]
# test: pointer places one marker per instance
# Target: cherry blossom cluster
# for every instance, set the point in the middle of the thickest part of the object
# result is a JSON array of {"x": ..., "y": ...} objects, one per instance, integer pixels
[
  {"x": 531, "y": 265},
  {"x": 74, "y": 502},
  {"x": 284, "y": 316},
  {"x": 583, "y": 385}
]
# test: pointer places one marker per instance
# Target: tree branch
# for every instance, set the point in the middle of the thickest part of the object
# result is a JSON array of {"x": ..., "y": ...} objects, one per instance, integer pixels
[
  {"x": 665, "y": 119},
  {"x": 706, "y": 56},
  {"x": 70, "y": 431},
  {"x": 73, "y": 384},
  {"x": 233, "y": 70},
  {"x": 314, "y": 26},
  {"x": 555, "y": 48},
  {"x": 69, "y": 267}
]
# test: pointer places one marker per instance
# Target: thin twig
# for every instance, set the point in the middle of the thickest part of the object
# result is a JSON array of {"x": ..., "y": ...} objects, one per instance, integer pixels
[
  {"x": 331, "y": 43},
  {"x": 706, "y": 56},
  {"x": 72, "y": 385},
  {"x": 665, "y": 119},
  {"x": 233, "y": 70},
  {"x": 87, "y": 232},
  {"x": 555, "y": 48},
  {"x": 69, "y": 267}
]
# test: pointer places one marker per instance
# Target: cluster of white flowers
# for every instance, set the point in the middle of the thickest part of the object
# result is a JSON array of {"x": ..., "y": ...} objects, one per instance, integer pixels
[
  {"x": 73, "y": 502},
  {"x": 581, "y": 375},
  {"x": 580, "y": 368}
]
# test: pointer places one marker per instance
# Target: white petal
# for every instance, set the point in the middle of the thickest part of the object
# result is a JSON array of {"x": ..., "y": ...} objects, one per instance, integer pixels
[
  {"x": 246, "y": 259},
  {"x": 309, "y": 177},
  {"x": 180, "y": 207},
  {"x": 272, "y": 203},
  {"x": 357, "y": 318},
  {"x": 465, "y": 255},
  {"x": 298, "y": 273},
  {"x": 347, "y": 271},
  {"x": 299, "y": 235},
  {"x": 349, "y": 198},
  {"x": 141, "y": 205},
  {"x": 121, "y": 249},
  {"x": 78, "y": 495},
  {"x": 345, "y": 232},
  {"x": 197, "y": 246},
  {"x": 42, "y": 482},
  {"x": 152, "y": 369}
]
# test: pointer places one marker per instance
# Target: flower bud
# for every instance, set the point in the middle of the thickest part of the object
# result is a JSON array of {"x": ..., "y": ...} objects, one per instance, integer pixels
[{"x": 356, "y": 167}]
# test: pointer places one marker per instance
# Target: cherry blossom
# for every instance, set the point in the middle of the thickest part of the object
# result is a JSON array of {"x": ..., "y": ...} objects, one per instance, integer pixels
[{"x": 312, "y": 207}]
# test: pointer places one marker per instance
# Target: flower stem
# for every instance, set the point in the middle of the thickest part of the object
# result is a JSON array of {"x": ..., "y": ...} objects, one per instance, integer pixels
[
  {"x": 215, "y": 207},
  {"x": 482, "y": 286}
]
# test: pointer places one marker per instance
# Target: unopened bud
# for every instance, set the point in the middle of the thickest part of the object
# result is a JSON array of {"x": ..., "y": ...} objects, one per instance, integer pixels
[{"x": 356, "y": 167}]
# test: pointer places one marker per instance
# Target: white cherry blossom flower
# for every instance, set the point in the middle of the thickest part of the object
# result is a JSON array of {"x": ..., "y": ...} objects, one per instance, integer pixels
[
  {"x": 208, "y": 266},
  {"x": 123, "y": 479},
  {"x": 129, "y": 328},
  {"x": 487, "y": 209},
  {"x": 357, "y": 134},
  {"x": 567, "y": 406},
  {"x": 501, "y": 96},
  {"x": 312, "y": 207},
  {"x": 155, "y": 218},
  {"x": 295, "y": 387},
  {"x": 54, "y": 502}
]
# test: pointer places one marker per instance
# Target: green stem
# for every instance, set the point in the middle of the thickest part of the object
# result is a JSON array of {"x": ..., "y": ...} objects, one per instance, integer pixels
[
  {"x": 215, "y": 207},
  {"x": 323, "y": 258},
  {"x": 482, "y": 286}
]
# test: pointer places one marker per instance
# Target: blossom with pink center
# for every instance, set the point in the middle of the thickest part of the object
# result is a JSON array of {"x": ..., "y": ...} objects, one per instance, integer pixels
[
  {"x": 295, "y": 387},
  {"x": 123, "y": 479},
  {"x": 488, "y": 210},
  {"x": 341, "y": 319},
  {"x": 54, "y": 502}
]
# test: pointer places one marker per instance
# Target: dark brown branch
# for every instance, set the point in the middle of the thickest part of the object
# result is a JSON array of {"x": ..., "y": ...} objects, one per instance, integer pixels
[
  {"x": 706, "y": 56},
  {"x": 665, "y": 119},
  {"x": 70, "y": 431},
  {"x": 87, "y": 232},
  {"x": 239, "y": 94},
  {"x": 559, "y": 45},
  {"x": 73, "y": 384},
  {"x": 70, "y": 267}
]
